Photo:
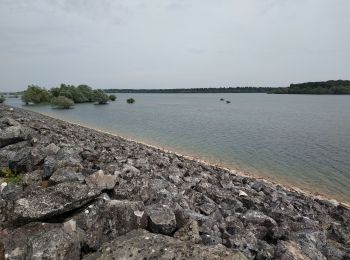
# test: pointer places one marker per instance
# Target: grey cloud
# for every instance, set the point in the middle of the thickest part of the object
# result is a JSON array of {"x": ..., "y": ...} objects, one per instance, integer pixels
[{"x": 172, "y": 43}]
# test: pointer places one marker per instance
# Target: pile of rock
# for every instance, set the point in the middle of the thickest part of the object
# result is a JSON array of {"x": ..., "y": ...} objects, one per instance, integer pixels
[{"x": 87, "y": 194}]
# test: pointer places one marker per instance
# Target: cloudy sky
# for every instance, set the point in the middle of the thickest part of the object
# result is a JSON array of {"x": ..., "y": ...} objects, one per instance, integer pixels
[{"x": 172, "y": 43}]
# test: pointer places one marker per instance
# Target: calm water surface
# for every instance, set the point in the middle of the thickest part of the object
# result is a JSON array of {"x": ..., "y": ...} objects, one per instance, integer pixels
[{"x": 303, "y": 140}]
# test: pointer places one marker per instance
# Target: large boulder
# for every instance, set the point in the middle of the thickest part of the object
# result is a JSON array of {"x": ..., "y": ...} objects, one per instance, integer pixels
[
  {"x": 13, "y": 134},
  {"x": 40, "y": 241},
  {"x": 161, "y": 219},
  {"x": 67, "y": 174},
  {"x": 140, "y": 244},
  {"x": 40, "y": 204},
  {"x": 106, "y": 219}
]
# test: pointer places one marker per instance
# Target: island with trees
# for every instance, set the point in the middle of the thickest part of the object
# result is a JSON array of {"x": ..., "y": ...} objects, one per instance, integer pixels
[
  {"x": 65, "y": 96},
  {"x": 331, "y": 87}
]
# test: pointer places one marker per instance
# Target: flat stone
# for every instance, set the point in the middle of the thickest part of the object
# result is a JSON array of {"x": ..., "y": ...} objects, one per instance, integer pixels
[
  {"x": 46, "y": 203},
  {"x": 140, "y": 244}
]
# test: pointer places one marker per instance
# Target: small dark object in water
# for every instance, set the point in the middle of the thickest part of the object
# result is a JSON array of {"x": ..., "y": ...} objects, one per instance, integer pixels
[
  {"x": 221, "y": 99},
  {"x": 228, "y": 102}
]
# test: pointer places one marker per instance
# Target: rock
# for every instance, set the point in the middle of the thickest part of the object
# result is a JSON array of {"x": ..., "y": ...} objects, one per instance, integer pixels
[
  {"x": 40, "y": 204},
  {"x": 207, "y": 208},
  {"x": 40, "y": 241},
  {"x": 101, "y": 181},
  {"x": 65, "y": 175},
  {"x": 242, "y": 194},
  {"x": 288, "y": 250},
  {"x": 51, "y": 150},
  {"x": 70, "y": 226},
  {"x": 189, "y": 232},
  {"x": 50, "y": 165},
  {"x": 260, "y": 218},
  {"x": 11, "y": 191},
  {"x": 161, "y": 220},
  {"x": 13, "y": 134},
  {"x": 32, "y": 178},
  {"x": 105, "y": 220},
  {"x": 140, "y": 244},
  {"x": 2, "y": 186}
]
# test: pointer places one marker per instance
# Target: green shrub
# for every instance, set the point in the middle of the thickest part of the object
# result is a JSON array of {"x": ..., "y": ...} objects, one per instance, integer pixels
[
  {"x": 100, "y": 97},
  {"x": 2, "y": 99},
  {"x": 112, "y": 97},
  {"x": 36, "y": 95},
  {"x": 130, "y": 101},
  {"x": 10, "y": 176},
  {"x": 62, "y": 102}
]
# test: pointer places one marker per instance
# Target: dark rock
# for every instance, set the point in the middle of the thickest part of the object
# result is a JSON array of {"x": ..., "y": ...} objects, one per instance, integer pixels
[
  {"x": 66, "y": 175},
  {"x": 189, "y": 232},
  {"x": 106, "y": 219},
  {"x": 140, "y": 244},
  {"x": 40, "y": 204},
  {"x": 40, "y": 241},
  {"x": 161, "y": 220},
  {"x": 50, "y": 165},
  {"x": 13, "y": 134}
]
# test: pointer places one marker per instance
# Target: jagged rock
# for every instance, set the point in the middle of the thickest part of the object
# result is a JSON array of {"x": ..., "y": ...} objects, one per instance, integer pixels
[
  {"x": 13, "y": 134},
  {"x": 40, "y": 241},
  {"x": 289, "y": 251},
  {"x": 161, "y": 220},
  {"x": 140, "y": 244},
  {"x": 39, "y": 204},
  {"x": 259, "y": 218},
  {"x": 11, "y": 191},
  {"x": 242, "y": 194},
  {"x": 189, "y": 232},
  {"x": 66, "y": 175},
  {"x": 32, "y": 178},
  {"x": 107, "y": 219},
  {"x": 50, "y": 165},
  {"x": 101, "y": 181}
]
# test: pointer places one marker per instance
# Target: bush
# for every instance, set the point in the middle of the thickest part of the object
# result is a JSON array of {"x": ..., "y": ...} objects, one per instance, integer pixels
[
  {"x": 112, "y": 97},
  {"x": 2, "y": 99},
  {"x": 100, "y": 97},
  {"x": 130, "y": 101},
  {"x": 36, "y": 95},
  {"x": 11, "y": 176},
  {"x": 62, "y": 102}
]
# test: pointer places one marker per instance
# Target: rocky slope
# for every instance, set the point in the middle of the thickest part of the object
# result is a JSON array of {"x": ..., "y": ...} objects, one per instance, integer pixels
[{"x": 83, "y": 194}]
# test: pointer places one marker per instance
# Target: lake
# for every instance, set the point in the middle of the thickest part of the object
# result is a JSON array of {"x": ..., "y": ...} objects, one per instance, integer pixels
[{"x": 301, "y": 140}]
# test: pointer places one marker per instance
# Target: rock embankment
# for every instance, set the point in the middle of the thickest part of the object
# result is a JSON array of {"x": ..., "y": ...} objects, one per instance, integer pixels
[{"x": 69, "y": 192}]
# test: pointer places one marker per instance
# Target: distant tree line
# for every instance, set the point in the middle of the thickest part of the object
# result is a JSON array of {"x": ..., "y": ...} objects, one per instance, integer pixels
[
  {"x": 331, "y": 87},
  {"x": 195, "y": 90},
  {"x": 65, "y": 96}
]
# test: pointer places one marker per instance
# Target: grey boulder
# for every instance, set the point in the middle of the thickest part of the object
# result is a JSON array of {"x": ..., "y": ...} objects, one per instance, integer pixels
[{"x": 140, "y": 244}]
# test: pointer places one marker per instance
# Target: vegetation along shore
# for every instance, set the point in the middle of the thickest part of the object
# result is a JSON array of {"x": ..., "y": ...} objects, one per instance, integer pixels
[{"x": 98, "y": 196}]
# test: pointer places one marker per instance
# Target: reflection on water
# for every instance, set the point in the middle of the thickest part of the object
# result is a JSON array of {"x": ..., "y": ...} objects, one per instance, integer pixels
[{"x": 300, "y": 139}]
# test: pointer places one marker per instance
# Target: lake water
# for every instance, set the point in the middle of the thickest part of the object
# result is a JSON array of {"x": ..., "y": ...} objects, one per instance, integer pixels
[{"x": 302, "y": 140}]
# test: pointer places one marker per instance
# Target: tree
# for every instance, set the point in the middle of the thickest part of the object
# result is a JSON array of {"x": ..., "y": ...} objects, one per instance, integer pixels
[
  {"x": 100, "y": 97},
  {"x": 36, "y": 95},
  {"x": 2, "y": 99},
  {"x": 62, "y": 102},
  {"x": 130, "y": 101},
  {"x": 112, "y": 97}
]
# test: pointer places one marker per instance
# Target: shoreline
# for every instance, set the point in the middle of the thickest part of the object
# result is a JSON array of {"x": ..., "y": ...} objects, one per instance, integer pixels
[
  {"x": 197, "y": 158},
  {"x": 92, "y": 190}
]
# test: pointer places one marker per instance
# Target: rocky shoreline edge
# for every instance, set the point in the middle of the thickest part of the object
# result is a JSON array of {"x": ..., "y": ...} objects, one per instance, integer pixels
[{"x": 85, "y": 194}]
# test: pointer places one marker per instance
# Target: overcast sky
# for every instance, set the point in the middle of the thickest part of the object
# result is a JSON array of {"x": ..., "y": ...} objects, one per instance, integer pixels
[{"x": 172, "y": 43}]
